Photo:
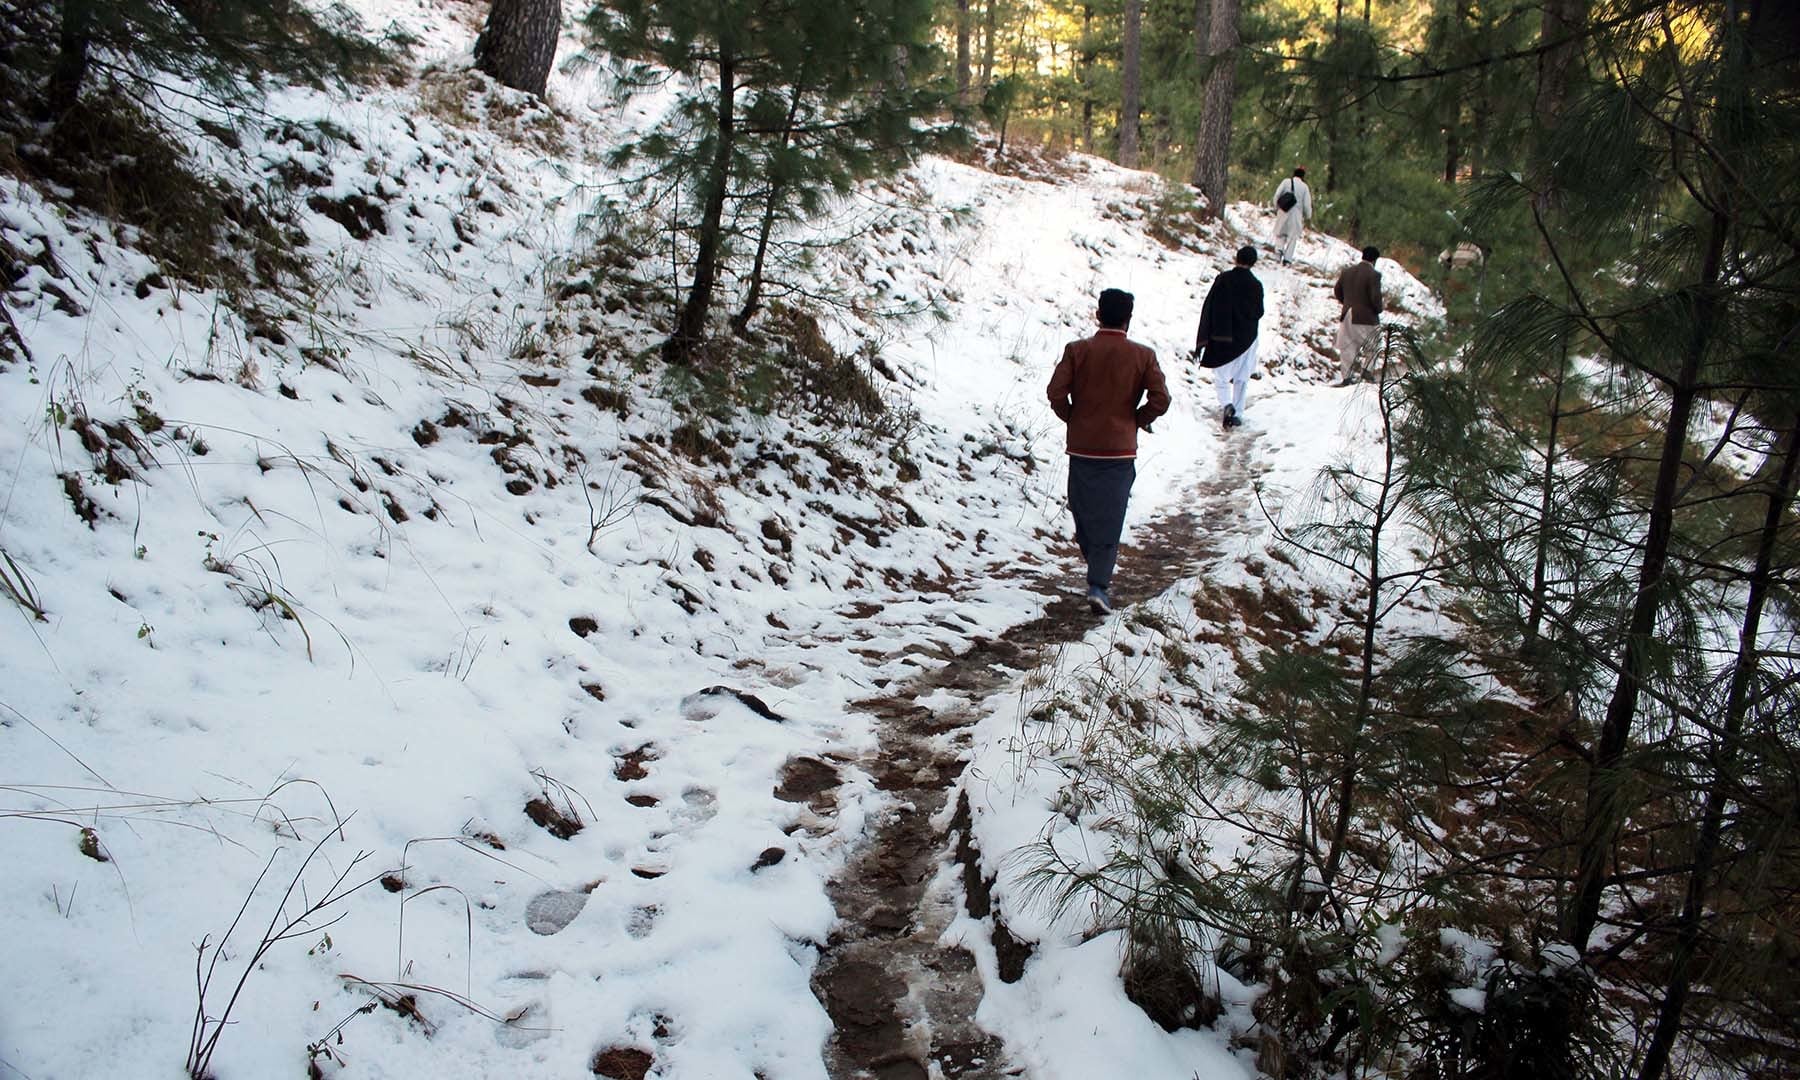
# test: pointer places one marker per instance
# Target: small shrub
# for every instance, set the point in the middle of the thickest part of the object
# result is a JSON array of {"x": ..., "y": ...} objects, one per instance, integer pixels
[
  {"x": 1175, "y": 216},
  {"x": 791, "y": 370},
  {"x": 208, "y": 1028}
]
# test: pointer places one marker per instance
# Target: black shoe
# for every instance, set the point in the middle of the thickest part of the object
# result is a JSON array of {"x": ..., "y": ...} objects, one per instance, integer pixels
[
  {"x": 1229, "y": 419},
  {"x": 1234, "y": 420},
  {"x": 1098, "y": 602}
]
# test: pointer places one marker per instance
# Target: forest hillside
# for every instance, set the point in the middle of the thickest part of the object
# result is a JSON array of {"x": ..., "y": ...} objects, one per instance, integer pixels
[{"x": 432, "y": 648}]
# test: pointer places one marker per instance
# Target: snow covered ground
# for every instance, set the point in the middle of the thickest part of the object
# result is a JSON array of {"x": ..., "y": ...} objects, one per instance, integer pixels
[{"x": 347, "y": 599}]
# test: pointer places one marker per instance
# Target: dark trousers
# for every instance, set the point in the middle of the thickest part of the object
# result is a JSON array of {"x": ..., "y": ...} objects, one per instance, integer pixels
[{"x": 1098, "y": 491}]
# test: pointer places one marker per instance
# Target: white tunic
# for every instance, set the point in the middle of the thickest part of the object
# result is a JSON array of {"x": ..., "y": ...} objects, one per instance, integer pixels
[{"x": 1288, "y": 222}]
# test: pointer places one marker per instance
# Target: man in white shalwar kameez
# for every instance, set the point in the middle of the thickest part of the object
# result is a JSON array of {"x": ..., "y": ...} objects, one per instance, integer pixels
[
  {"x": 1290, "y": 222},
  {"x": 1226, "y": 342}
]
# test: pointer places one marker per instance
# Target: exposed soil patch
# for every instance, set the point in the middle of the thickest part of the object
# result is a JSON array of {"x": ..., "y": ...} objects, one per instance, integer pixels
[
  {"x": 903, "y": 1004},
  {"x": 559, "y": 824},
  {"x": 622, "y": 1063},
  {"x": 631, "y": 766},
  {"x": 811, "y": 781}
]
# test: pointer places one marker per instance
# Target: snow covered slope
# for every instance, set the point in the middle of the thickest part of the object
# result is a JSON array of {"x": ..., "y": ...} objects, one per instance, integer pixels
[{"x": 425, "y": 574}]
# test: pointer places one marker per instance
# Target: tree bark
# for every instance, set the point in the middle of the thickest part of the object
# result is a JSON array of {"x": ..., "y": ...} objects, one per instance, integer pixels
[
  {"x": 518, "y": 44},
  {"x": 1604, "y": 810},
  {"x": 1540, "y": 564},
  {"x": 1362, "y": 148},
  {"x": 690, "y": 326},
  {"x": 1212, "y": 145},
  {"x": 753, "y": 299},
  {"x": 1561, "y": 19},
  {"x": 66, "y": 78},
  {"x": 1202, "y": 21},
  {"x": 1128, "y": 80},
  {"x": 1085, "y": 76},
  {"x": 990, "y": 36},
  {"x": 962, "y": 51},
  {"x": 1453, "y": 123},
  {"x": 1330, "y": 123}
]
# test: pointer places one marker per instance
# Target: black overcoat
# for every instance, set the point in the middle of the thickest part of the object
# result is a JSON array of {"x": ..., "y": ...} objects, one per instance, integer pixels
[{"x": 1228, "y": 318}]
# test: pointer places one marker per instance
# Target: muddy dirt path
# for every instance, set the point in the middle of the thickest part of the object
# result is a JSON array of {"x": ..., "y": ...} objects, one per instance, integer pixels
[{"x": 903, "y": 1004}]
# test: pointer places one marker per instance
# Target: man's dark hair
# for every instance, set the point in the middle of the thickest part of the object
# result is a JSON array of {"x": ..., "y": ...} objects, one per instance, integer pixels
[
  {"x": 1371, "y": 253},
  {"x": 1246, "y": 256},
  {"x": 1115, "y": 308},
  {"x": 1300, "y": 170}
]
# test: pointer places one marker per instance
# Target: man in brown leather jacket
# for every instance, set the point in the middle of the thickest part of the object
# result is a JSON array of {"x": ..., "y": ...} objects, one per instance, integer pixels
[
  {"x": 1096, "y": 390},
  {"x": 1358, "y": 288}
]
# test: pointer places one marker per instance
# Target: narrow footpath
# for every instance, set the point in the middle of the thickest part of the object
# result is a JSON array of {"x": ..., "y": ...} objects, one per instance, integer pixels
[{"x": 903, "y": 1003}]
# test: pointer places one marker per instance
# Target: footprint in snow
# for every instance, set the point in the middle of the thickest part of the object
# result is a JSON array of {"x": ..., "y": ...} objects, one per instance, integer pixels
[{"x": 550, "y": 912}]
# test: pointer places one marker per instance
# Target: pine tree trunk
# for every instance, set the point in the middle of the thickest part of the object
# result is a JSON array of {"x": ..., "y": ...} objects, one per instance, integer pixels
[
  {"x": 1604, "y": 810},
  {"x": 1362, "y": 150},
  {"x": 690, "y": 326},
  {"x": 1561, "y": 19},
  {"x": 1453, "y": 143},
  {"x": 518, "y": 44},
  {"x": 1212, "y": 145},
  {"x": 73, "y": 42},
  {"x": 1330, "y": 119},
  {"x": 1086, "y": 77},
  {"x": 753, "y": 299},
  {"x": 1481, "y": 113},
  {"x": 1202, "y": 24},
  {"x": 990, "y": 36},
  {"x": 1372, "y": 582},
  {"x": 1128, "y": 80},
  {"x": 962, "y": 51},
  {"x": 1540, "y": 567},
  {"x": 1712, "y": 817}
]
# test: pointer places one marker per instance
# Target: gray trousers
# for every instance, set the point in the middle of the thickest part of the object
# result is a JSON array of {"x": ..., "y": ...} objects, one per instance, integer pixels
[{"x": 1098, "y": 491}]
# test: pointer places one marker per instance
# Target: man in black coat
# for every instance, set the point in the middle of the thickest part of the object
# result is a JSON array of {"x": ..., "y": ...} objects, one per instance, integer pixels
[{"x": 1226, "y": 341}]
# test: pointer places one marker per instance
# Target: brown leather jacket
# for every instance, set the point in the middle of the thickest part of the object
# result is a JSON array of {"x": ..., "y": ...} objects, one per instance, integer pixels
[
  {"x": 1359, "y": 289},
  {"x": 1095, "y": 390}
]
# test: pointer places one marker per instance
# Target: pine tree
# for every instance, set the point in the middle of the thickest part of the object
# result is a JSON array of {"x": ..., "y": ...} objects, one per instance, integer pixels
[
  {"x": 1668, "y": 158},
  {"x": 802, "y": 97},
  {"x": 225, "y": 45},
  {"x": 836, "y": 119}
]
